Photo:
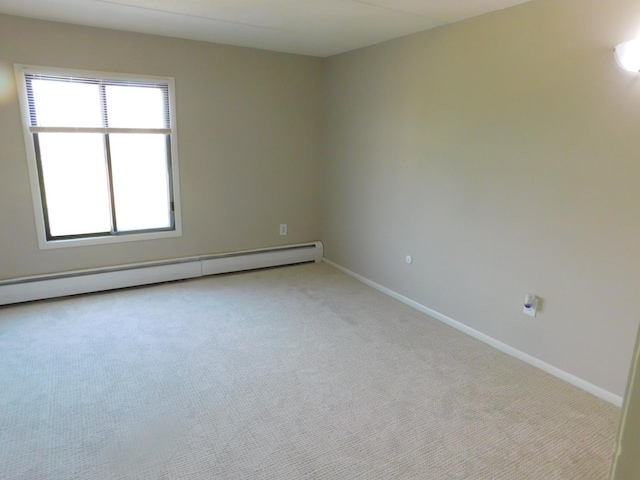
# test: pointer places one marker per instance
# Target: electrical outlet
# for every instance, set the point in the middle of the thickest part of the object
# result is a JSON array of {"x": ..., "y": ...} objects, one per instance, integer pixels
[
  {"x": 283, "y": 229},
  {"x": 530, "y": 305}
]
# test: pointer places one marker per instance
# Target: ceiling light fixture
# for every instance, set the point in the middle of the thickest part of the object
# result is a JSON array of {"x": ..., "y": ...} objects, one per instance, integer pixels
[{"x": 628, "y": 55}]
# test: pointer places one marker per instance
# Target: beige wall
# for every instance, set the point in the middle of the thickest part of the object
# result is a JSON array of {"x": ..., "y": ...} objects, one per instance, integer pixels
[
  {"x": 248, "y": 134},
  {"x": 503, "y": 153}
]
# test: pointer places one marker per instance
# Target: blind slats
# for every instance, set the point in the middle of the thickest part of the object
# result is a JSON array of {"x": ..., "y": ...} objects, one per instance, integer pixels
[
  {"x": 163, "y": 87},
  {"x": 36, "y": 129},
  {"x": 98, "y": 81}
]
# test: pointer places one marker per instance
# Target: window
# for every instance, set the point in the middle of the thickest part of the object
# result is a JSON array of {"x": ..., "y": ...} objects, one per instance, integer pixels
[{"x": 102, "y": 156}]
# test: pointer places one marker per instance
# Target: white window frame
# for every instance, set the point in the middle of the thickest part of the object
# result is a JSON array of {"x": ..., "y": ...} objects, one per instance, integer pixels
[{"x": 37, "y": 194}]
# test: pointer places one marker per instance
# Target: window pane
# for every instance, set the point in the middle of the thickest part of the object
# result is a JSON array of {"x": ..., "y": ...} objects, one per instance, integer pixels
[
  {"x": 135, "y": 107},
  {"x": 66, "y": 104},
  {"x": 140, "y": 181},
  {"x": 75, "y": 179}
]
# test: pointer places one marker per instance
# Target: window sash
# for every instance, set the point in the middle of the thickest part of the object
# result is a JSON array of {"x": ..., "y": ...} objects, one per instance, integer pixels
[{"x": 114, "y": 231}]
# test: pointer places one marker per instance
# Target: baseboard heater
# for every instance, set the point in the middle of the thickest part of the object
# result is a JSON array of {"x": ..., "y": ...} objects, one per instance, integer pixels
[{"x": 108, "y": 278}]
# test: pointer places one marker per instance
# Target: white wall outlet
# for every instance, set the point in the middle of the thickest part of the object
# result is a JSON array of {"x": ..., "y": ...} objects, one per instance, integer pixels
[
  {"x": 283, "y": 229},
  {"x": 530, "y": 306}
]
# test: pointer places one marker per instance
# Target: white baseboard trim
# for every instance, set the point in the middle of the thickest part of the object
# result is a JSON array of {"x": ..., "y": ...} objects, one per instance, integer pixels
[
  {"x": 503, "y": 347},
  {"x": 40, "y": 287}
]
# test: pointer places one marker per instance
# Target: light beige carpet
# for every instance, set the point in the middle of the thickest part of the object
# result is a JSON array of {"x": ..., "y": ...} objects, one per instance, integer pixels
[{"x": 290, "y": 373}]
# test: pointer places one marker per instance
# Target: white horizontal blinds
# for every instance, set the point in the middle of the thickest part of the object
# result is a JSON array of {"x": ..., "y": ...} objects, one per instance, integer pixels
[
  {"x": 59, "y": 103},
  {"x": 63, "y": 102}
]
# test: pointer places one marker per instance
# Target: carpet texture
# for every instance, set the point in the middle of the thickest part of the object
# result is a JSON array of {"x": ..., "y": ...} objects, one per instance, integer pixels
[{"x": 291, "y": 373}]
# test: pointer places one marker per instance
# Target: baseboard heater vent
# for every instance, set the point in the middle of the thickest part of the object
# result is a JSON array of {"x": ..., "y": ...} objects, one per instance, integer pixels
[{"x": 108, "y": 278}]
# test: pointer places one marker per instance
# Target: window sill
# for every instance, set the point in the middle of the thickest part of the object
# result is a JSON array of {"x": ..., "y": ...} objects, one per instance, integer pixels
[{"x": 87, "y": 241}]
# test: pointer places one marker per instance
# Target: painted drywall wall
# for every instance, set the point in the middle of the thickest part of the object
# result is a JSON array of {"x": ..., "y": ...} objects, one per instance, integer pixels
[
  {"x": 248, "y": 136},
  {"x": 502, "y": 153}
]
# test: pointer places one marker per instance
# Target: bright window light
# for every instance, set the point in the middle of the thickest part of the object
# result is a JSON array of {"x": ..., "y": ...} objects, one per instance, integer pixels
[
  {"x": 75, "y": 179},
  {"x": 66, "y": 104},
  {"x": 135, "y": 107},
  {"x": 140, "y": 181}
]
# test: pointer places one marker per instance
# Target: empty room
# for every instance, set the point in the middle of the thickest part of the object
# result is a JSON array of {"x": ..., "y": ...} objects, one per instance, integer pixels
[{"x": 319, "y": 239}]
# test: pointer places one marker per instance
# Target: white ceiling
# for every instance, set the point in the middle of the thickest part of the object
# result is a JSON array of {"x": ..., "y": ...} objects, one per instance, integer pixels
[{"x": 311, "y": 27}]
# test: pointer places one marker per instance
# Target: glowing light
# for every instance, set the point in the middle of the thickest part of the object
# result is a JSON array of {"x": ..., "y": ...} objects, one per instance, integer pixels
[{"x": 628, "y": 55}]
